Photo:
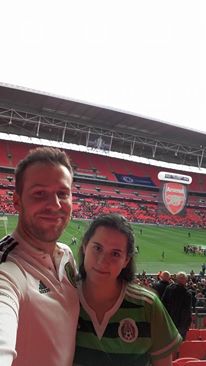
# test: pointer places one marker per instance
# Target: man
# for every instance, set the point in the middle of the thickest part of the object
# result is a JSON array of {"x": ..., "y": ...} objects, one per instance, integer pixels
[
  {"x": 38, "y": 302},
  {"x": 178, "y": 302},
  {"x": 161, "y": 285}
]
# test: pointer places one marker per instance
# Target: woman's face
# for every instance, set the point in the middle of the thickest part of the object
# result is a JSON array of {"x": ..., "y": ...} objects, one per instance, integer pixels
[{"x": 105, "y": 255}]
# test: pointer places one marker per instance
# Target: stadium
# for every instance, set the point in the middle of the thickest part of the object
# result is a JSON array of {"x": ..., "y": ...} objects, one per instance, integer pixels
[
  {"x": 117, "y": 160},
  {"x": 152, "y": 173}
]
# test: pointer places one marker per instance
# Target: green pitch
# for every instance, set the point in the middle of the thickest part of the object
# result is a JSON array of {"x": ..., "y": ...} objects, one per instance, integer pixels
[{"x": 152, "y": 242}]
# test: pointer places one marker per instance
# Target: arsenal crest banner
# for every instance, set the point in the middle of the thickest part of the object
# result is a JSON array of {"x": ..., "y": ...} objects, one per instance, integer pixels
[{"x": 173, "y": 194}]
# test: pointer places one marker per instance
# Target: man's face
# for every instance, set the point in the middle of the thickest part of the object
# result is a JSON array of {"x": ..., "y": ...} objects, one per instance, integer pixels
[{"x": 45, "y": 204}]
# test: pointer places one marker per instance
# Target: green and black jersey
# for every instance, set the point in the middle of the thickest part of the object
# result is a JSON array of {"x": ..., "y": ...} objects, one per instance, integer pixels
[{"x": 136, "y": 330}]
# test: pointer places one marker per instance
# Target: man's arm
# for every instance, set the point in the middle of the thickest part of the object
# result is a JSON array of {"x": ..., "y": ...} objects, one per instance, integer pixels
[
  {"x": 10, "y": 296},
  {"x": 8, "y": 330}
]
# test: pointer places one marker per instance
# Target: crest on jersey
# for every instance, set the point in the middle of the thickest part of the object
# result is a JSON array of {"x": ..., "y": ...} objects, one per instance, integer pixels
[
  {"x": 174, "y": 197},
  {"x": 70, "y": 272},
  {"x": 127, "y": 330}
]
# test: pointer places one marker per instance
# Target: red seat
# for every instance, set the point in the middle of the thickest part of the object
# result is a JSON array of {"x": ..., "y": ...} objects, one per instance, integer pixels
[
  {"x": 202, "y": 334},
  {"x": 182, "y": 361},
  {"x": 195, "y": 349},
  {"x": 193, "y": 334},
  {"x": 196, "y": 363}
]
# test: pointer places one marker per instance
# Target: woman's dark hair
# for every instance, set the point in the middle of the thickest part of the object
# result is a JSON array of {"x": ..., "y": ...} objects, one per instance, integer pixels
[
  {"x": 120, "y": 224},
  {"x": 45, "y": 155}
]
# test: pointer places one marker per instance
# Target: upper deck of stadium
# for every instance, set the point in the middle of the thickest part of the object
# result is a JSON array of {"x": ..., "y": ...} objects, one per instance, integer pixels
[{"x": 36, "y": 114}]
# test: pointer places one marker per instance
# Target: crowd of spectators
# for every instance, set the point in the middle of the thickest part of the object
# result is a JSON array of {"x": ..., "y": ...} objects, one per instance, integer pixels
[
  {"x": 147, "y": 213},
  {"x": 6, "y": 203},
  {"x": 196, "y": 285}
]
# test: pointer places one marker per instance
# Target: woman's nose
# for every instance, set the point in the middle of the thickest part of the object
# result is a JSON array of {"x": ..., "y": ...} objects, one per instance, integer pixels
[{"x": 104, "y": 259}]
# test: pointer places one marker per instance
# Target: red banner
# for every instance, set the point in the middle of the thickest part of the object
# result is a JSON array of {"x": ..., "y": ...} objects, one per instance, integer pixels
[{"x": 174, "y": 196}]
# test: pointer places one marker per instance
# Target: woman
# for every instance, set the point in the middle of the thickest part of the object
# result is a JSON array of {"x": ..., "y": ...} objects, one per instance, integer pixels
[{"x": 121, "y": 323}]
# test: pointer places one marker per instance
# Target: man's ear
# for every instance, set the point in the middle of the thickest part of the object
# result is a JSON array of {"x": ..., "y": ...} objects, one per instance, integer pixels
[{"x": 16, "y": 201}]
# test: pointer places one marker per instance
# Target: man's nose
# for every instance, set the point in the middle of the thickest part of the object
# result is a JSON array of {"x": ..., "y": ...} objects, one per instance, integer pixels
[{"x": 53, "y": 201}]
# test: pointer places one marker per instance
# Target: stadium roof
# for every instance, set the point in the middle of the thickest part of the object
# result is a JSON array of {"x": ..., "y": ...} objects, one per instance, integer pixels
[{"x": 36, "y": 114}]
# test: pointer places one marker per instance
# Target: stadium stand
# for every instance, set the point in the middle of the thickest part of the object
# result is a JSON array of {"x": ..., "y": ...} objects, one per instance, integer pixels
[{"x": 101, "y": 185}]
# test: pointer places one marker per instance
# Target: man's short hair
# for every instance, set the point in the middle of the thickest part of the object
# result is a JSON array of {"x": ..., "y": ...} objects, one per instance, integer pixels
[
  {"x": 181, "y": 277},
  {"x": 44, "y": 155},
  {"x": 165, "y": 276}
]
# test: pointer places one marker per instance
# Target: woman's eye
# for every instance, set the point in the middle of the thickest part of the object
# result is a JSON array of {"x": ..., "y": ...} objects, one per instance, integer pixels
[
  {"x": 116, "y": 254},
  {"x": 97, "y": 248}
]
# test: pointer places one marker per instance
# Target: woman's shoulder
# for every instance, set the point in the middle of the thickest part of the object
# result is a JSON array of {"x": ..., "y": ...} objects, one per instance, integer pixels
[{"x": 140, "y": 293}]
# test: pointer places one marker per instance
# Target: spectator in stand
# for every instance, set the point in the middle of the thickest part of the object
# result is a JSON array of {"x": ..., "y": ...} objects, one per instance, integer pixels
[
  {"x": 178, "y": 302},
  {"x": 161, "y": 285},
  {"x": 120, "y": 322},
  {"x": 192, "y": 274},
  {"x": 39, "y": 304},
  {"x": 192, "y": 287},
  {"x": 200, "y": 299}
]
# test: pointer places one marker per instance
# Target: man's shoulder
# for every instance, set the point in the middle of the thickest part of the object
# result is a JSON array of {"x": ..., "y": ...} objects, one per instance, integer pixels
[
  {"x": 67, "y": 250},
  {"x": 64, "y": 246},
  {"x": 171, "y": 287},
  {"x": 6, "y": 241},
  {"x": 70, "y": 265},
  {"x": 12, "y": 270},
  {"x": 7, "y": 260},
  {"x": 7, "y": 244}
]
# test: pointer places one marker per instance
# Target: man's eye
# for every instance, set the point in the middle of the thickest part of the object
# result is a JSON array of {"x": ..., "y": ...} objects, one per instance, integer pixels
[
  {"x": 63, "y": 195},
  {"x": 39, "y": 194}
]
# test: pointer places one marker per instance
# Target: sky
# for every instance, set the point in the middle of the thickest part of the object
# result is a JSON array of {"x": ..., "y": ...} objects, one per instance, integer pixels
[{"x": 145, "y": 57}]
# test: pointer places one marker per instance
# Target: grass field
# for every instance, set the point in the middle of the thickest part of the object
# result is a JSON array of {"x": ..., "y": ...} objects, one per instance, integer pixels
[{"x": 153, "y": 241}]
